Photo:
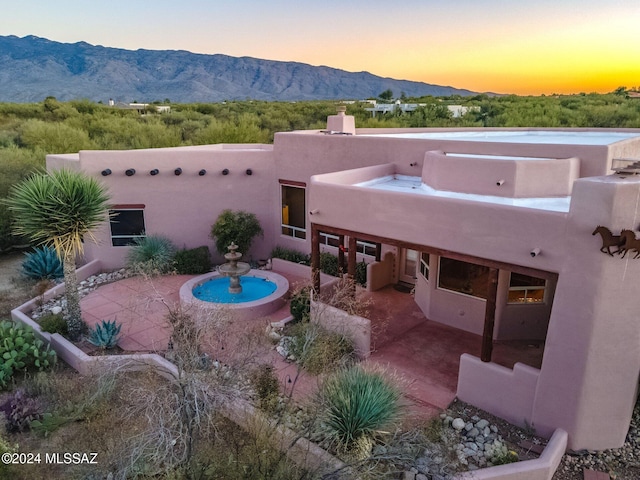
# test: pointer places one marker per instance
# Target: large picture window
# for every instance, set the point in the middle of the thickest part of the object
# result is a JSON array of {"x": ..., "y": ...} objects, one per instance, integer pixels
[
  {"x": 293, "y": 211},
  {"x": 127, "y": 224},
  {"x": 526, "y": 289},
  {"x": 463, "y": 277}
]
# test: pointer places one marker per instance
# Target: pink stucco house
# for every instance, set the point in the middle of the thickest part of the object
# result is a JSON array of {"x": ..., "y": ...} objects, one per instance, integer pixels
[{"x": 491, "y": 227}]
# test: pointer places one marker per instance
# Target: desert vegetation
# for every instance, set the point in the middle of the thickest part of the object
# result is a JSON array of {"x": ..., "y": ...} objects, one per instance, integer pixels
[{"x": 29, "y": 131}]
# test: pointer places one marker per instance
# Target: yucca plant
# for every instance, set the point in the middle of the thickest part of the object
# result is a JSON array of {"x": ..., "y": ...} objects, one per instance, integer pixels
[
  {"x": 151, "y": 255},
  {"x": 357, "y": 404},
  {"x": 60, "y": 208},
  {"x": 105, "y": 334},
  {"x": 42, "y": 263}
]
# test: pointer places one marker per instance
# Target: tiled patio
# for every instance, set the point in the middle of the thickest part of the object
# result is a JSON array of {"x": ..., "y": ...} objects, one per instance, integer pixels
[{"x": 425, "y": 353}]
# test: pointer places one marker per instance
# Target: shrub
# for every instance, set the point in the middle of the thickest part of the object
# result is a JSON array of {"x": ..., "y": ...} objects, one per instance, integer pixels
[
  {"x": 195, "y": 261},
  {"x": 151, "y": 255},
  {"x": 361, "y": 273},
  {"x": 20, "y": 350},
  {"x": 266, "y": 385},
  {"x": 105, "y": 334},
  {"x": 300, "y": 304},
  {"x": 329, "y": 264},
  {"x": 357, "y": 404},
  {"x": 20, "y": 410},
  {"x": 318, "y": 350},
  {"x": 235, "y": 227},
  {"x": 53, "y": 323},
  {"x": 42, "y": 263},
  {"x": 291, "y": 255}
]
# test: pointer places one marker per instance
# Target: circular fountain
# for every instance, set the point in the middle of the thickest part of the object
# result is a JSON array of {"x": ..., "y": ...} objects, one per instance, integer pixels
[{"x": 249, "y": 293}]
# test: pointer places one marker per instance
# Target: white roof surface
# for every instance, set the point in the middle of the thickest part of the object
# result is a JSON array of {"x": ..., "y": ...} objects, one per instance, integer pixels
[
  {"x": 538, "y": 136},
  {"x": 408, "y": 184}
]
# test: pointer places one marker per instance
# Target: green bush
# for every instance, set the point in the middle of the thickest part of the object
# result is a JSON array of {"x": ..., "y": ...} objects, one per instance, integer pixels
[
  {"x": 265, "y": 383},
  {"x": 318, "y": 350},
  {"x": 291, "y": 255},
  {"x": 361, "y": 273},
  {"x": 194, "y": 261},
  {"x": 151, "y": 255},
  {"x": 42, "y": 263},
  {"x": 329, "y": 264},
  {"x": 357, "y": 404},
  {"x": 53, "y": 323},
  {"x": 300, "y": 304},
  {"x": 237, "y": 227},
  {"x": 20, "y": 350},
  {"x": 105, "y": 334}
]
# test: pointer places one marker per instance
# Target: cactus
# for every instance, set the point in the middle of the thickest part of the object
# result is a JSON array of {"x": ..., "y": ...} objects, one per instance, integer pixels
[
  {"x": 105, "y": 334},
  {"x": 42, "y": 263}
]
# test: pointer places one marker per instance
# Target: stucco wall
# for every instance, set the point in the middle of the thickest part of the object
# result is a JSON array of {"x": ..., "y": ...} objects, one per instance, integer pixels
[{"x": 184, "y": 207}]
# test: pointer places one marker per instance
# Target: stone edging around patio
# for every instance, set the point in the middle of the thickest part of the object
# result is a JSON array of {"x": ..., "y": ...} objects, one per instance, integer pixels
[{"x": 299, "y": 449}]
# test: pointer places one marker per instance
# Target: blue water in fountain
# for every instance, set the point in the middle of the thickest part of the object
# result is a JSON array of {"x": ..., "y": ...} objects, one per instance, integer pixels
[{"x": 217, "y": 290}]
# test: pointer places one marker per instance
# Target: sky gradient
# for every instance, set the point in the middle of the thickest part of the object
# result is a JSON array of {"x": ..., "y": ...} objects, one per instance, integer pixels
[{"x": 505, "y": 46}]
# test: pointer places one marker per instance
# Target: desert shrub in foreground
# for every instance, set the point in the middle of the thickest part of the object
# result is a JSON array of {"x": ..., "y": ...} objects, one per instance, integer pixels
[
  {"x": 318, "y": 350},
  {"x": 356, "y": 404},
  {"x": 151, "y": 255},
  {"x": 300, "y": 304},
  {"x": 266, "y": 385},
  {"x": 194, "y": 261}
]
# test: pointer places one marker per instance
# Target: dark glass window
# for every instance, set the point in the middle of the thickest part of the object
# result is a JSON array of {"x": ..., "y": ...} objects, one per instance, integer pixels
[
  {"x": 526, "y": 289},
  {"x": 294, "y": 214},
  {"x": 126, "y": 226},
  {"x": 463, "y": 277}
]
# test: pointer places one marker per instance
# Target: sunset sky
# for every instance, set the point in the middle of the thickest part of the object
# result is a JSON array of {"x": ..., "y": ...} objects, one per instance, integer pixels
[{"x": 504, "y": 46}]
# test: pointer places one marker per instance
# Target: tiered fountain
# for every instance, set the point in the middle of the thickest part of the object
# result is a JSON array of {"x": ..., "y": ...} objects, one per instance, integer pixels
[
  {"x": 233, "y": 268},
  {"x": 261, "y": 292}
]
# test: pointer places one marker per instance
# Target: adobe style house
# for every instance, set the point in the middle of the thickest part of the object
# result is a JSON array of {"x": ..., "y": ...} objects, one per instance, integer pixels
[{"x": 494, "y": 229}]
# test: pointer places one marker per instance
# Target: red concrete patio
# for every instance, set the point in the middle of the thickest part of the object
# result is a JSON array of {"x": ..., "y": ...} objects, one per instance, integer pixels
[{"x": 425, "y": 353}]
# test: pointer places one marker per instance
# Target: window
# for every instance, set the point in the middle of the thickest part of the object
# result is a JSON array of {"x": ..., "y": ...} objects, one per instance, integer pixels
[
  {"x": 366, "y": 248},
  {"x": 526, "y": 289},
  {"x": 463, "y": 277},
  {"x": 329, "y": 240},
  {"x": 293, "y": 211},
  {"x": 127, "y": 224},
  {"x": 424, "y": 265}
]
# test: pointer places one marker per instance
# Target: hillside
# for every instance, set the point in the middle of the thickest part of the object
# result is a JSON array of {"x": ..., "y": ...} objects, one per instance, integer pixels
[{"x": 34, "y": 68}]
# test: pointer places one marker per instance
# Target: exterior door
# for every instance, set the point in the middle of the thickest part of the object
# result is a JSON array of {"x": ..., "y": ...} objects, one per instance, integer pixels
[{"x": 409, "y": 260}]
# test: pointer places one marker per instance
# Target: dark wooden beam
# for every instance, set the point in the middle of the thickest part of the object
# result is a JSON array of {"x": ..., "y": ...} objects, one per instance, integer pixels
[
  {"x": 315, "y": 257},
  {"x": 341, "y": 254},
  {"x": 351, "y": 269},
  {"x": 533, "y": 272},
  {"x": 489, "y": 315}
]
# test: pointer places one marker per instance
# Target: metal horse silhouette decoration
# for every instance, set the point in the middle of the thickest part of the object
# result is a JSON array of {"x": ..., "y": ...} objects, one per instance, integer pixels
[{"x": 624, "y": 242}]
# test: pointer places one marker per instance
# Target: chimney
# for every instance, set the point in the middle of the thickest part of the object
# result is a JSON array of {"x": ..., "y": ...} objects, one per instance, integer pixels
[{"x": 341, "y": 123}]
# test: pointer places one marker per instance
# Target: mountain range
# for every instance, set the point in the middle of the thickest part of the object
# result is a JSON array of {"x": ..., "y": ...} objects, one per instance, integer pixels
[{"x": 33, "y": 68}]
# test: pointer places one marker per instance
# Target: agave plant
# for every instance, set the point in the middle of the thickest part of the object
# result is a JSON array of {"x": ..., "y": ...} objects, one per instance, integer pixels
[
  {"x": 105, "y": 334},
  {"x": 42, "y": 263},
  {"x": 151, "y": 255}
]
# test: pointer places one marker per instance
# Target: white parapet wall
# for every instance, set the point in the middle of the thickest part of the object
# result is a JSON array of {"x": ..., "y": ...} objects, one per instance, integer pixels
[{"x": 478, "y": 381}]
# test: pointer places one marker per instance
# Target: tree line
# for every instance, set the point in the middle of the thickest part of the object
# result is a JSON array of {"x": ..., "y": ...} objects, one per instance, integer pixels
[{"x": 30, "y": 131}]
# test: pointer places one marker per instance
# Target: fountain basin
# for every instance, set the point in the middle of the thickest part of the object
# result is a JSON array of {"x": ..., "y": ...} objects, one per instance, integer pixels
[{"x": 245, "y": 305}]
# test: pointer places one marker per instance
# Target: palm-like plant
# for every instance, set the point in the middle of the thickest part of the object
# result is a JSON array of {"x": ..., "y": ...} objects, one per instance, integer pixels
[{"x": 60, "y": 209}]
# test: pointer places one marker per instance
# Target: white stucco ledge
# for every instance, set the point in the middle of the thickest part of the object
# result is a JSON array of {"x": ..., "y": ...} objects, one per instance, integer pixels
[{"x": 541, "y": 468}]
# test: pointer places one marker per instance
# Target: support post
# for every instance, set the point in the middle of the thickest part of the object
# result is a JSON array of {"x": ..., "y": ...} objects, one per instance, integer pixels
[
  {"x": 315, "y": 258},
  {"x": 341, "y": 254},
  {"x": 489, "y": 315},
  {"x": 351, "y": 270}
]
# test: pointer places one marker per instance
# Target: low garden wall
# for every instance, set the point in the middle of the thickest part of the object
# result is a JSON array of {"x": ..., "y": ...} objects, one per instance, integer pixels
[{"x": 357, "y": 329}]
